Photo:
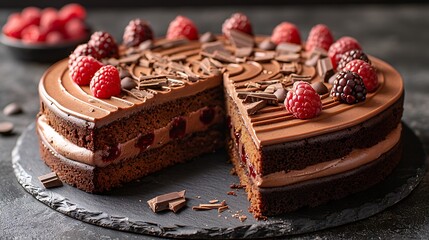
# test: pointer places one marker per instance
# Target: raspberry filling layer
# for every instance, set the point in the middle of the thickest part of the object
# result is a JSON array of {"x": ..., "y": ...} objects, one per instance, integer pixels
[
  {"x": 179, "y": 126},
  {"x": 355, "y": 159}
]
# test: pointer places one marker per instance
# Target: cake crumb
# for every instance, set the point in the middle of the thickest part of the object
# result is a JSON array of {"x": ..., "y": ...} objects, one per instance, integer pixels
[
  {"x": 214, "y": 201},
  {"x": 231, "y": 193},
  {"x": 242, "y": 218}
]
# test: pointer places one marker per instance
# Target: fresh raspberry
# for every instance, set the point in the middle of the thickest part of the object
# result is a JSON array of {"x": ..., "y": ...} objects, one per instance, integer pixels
[
  {"x": 14, "y": 26},
  {"x": 83, "y": 69},
  {"x": 348, "y": 87},
  {"x": 72, "y": 11},
  {"x": 286, "y": 32},
  {"x": 303, "y": 101},
  {"x": 351, "y": 55},
  {"x": 75, "y": 29},
  {"x": 136, "y": 32},
  {"x": 239, "y": 22},
  {"x": 32, "y": 34},
  {"x": 50, "y": 20},
  {"x": 104, "y": 43},
  {"x": 338, "y": 48},
  {"x": 31, "y": 16},
  {"x": 106, "y": 82},
  {"x": 83, "y": 50},
  {"x": 366, "y": 71},
  {"x": 182, "y": 27},
  {"x": 54, "y": 37},
  {"x": 319, "y": 36}
]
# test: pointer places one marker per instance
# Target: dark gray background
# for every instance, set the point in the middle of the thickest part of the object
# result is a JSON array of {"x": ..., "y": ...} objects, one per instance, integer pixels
[{"x": 395, "y": 33}]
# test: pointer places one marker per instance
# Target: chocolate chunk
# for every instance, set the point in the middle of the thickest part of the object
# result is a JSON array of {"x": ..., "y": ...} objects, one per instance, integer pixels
[
  {"x": 128, "y": 83},
  {"x": 320, "y": 88},
  {"x": 241, "y": 40},
  {"x": 207, "y": 37},
  {"x": 332, "y": 79},
  {"x": 243, "y": 52},
  {"x": 322, "y": 53},
  {"x": 312, "y": 61},
  {"x": 270, "y": 89},
  {"x": 283, "y": 48},
  {"x": 162, "y": 202},
  {"x": 50, "y": 180},
  {"x": 325, "y": 69},
  {"x": 254, "y": 107},
  {"x": 6, "y": 128},
  {"x": 12, "y": 109},
  {"x": 280, "y": 94},
  {"x": 267, "y": 45},
  {"x": 297, "y": 78},
  {"x": 123, "y": 72},
  {"x": 130, "y": 58},
  {"x": 146, "y": 63},
  {"x": 176, "y": 205},
  {"x": 268, "y": 97}
]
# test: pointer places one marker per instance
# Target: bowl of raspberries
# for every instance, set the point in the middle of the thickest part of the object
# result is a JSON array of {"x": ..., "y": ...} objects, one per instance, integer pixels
[{"x": 45, "y": 34}]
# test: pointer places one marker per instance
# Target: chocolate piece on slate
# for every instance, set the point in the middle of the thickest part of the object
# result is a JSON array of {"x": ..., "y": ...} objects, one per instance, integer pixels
[
  {"x": 162, "y": 202},
  {"x": 320, "y": 88},
  {"x": 267, "y": 45},
  {"x": 12, "y": 109},
  {"x": 254, "y": 107},
  {"x": 50, "y": 180},
  {"x": 241, "y": 40},
  {"x": 325, "y": 69},
  {"x": 207, "y": 37},
  {"x": 6, "y": 128},
  {"x": 176, "y": 205},
  {"x": 288, "y": 48}
]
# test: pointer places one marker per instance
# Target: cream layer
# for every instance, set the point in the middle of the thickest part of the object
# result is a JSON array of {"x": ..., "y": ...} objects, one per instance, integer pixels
[
  {"x": 355, "y": 159},
  {"x": 127, "y": 149}
]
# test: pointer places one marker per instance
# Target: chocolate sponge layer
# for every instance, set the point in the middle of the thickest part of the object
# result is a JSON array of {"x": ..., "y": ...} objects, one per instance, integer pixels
[
  {"x": 97, "y": 179},
  {"x": 278, "y": 200},
  {"x": 124, "y": 129}
]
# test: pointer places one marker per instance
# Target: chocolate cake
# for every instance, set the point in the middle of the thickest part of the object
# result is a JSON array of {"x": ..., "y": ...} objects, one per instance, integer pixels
[{"x": 182, "y": 97}]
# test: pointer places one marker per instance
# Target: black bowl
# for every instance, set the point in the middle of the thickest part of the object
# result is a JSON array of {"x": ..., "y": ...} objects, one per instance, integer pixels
[{"x": 40, "y": 52}]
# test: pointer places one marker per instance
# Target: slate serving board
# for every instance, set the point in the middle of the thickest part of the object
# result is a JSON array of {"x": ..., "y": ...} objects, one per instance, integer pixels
[{"x": 205, "y": 178}]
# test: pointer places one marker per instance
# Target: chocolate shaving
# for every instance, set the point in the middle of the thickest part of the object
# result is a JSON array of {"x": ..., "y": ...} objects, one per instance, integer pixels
[
  {"x": 312, "y": 61},
  {"x": 142, "y": 93},
  {"x": 211, "y": 47},
  {"x": 325, "y": 69},
  {"x": 207, "y": 37},
  {"x": 237, "y": 186},
  {"x": 264, "y": 56},
  {"x": 243, "y": 52},
  {"x": 296, "y": 78},
  {"x": 165, "y": 43},
  {"x": 241, "y": 40},
  {"x": 216, "y": 63},
  {"x": 224, "y": 56},
  {"x": 254, "y": 107},
  {"x": 283, "y": 48},
  {"x": 146, "y": 63},
  {"x": 162, "y": 202},
  {"x": 222, "y": 209},
  {"x": 178, "y": 58},
  {"x": 111, "y": 61},
  {"x": 267, "y": 45},
  {"x": 130, "y": 58},
  {"x": 50, "y": 180},
  {"x": 206, "y": 66},
  {"x": 288, "y": 57},
  {"x": 176, "y": 66},
  {"x": 288, "y": 68},
  {"x": 148, "y": 44}
]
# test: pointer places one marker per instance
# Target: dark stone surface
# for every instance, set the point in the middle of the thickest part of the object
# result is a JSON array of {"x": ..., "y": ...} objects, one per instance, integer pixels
[
  {"x": 397, "y": 34},
  {"x": 125, "y": 208}
]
